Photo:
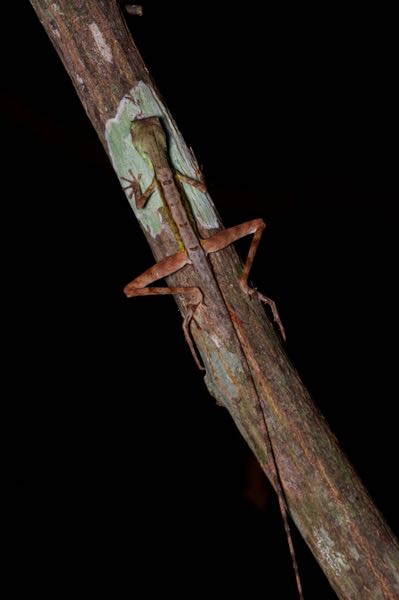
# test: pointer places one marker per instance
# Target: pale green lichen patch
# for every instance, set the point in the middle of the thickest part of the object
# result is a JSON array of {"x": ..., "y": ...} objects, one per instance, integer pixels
[
  {"x": 56, "y": 8},
  {"x": 330, "y": 555},
  {"x": 224, "y": 371},
  {"x": 141, "y": 102},
  {"x": 102, "y": 46},
  {"x": 393, "y": 565},
  {"x": 127, "y": 160},
  {"x": 353, "y": 552}
]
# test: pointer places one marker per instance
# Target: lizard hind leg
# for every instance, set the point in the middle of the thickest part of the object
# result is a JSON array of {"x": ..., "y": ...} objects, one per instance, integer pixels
[
  {"x": 224, "y": 238},
  {"x": 165, "y": 267},
  {"x": 187, "y": 332}
]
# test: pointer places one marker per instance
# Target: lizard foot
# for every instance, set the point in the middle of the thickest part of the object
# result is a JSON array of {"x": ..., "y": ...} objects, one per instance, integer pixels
[
  {"x": 266, "y": 300},
  {"x": 187, "y": 333},
  {"x": 134, "y": 185}
]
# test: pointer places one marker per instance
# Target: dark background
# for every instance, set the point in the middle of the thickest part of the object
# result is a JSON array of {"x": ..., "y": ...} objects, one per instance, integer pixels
[{"x": 123, "y": 470}]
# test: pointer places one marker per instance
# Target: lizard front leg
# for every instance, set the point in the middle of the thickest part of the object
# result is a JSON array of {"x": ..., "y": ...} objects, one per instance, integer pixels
[
  {"x": 228, "y": 236},
  {"x": 140, "y": 199},
  {"x": 165, "y": 267},
  {"x": 199, "y": 184}
]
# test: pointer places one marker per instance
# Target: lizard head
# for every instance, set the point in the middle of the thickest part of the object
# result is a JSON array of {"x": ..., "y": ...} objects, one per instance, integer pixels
[{"x": 148, "y": 137}]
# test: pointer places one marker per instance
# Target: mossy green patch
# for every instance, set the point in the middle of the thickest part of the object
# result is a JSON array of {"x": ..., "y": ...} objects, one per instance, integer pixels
[{"x": 142, "y": 102}]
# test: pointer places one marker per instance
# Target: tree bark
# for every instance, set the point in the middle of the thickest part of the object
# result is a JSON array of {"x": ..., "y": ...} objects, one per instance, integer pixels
[{"x": 328, "y": 503}]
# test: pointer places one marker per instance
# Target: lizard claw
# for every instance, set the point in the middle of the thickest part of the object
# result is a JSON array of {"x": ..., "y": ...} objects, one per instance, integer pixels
[
  {"x": 135, "y": 190},
  {"x": 134, "y": 185},
  {"x": 187, "y": 334},
  {"x": 266, "y": 300},
  {"x": 249, "y": 291}
]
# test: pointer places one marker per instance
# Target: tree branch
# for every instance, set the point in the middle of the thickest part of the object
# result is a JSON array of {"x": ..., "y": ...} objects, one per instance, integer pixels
[{"x": 330, "y": 506}]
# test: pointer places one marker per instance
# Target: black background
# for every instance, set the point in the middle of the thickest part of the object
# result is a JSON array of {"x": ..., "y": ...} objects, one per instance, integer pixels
[{"x": 123, "y": 470}]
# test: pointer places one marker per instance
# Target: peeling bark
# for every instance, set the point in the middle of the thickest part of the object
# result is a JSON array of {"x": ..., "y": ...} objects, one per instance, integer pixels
[{"x": 326, "y": 499}]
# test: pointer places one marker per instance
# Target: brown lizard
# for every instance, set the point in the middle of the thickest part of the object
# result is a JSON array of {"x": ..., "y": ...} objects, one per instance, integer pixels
[{"x": 150, "y": 141}]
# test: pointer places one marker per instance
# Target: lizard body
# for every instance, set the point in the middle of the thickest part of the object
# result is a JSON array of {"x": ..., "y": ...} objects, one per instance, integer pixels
[{"x": 150, "y": 141}]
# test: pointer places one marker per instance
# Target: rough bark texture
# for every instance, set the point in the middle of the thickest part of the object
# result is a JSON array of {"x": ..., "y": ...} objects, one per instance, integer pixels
[{"x": 330, "y": 506}]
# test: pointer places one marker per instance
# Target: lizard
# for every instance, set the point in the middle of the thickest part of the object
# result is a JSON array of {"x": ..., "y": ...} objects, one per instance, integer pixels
[{"x": 149, "y": 139}]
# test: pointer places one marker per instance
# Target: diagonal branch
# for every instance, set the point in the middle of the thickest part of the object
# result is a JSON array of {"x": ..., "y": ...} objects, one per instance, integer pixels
[{"x": 329, "y": 504}]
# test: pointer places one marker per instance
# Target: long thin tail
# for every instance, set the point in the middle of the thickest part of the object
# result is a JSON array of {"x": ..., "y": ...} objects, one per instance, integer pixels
[{"x": 282, "y": 504}]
